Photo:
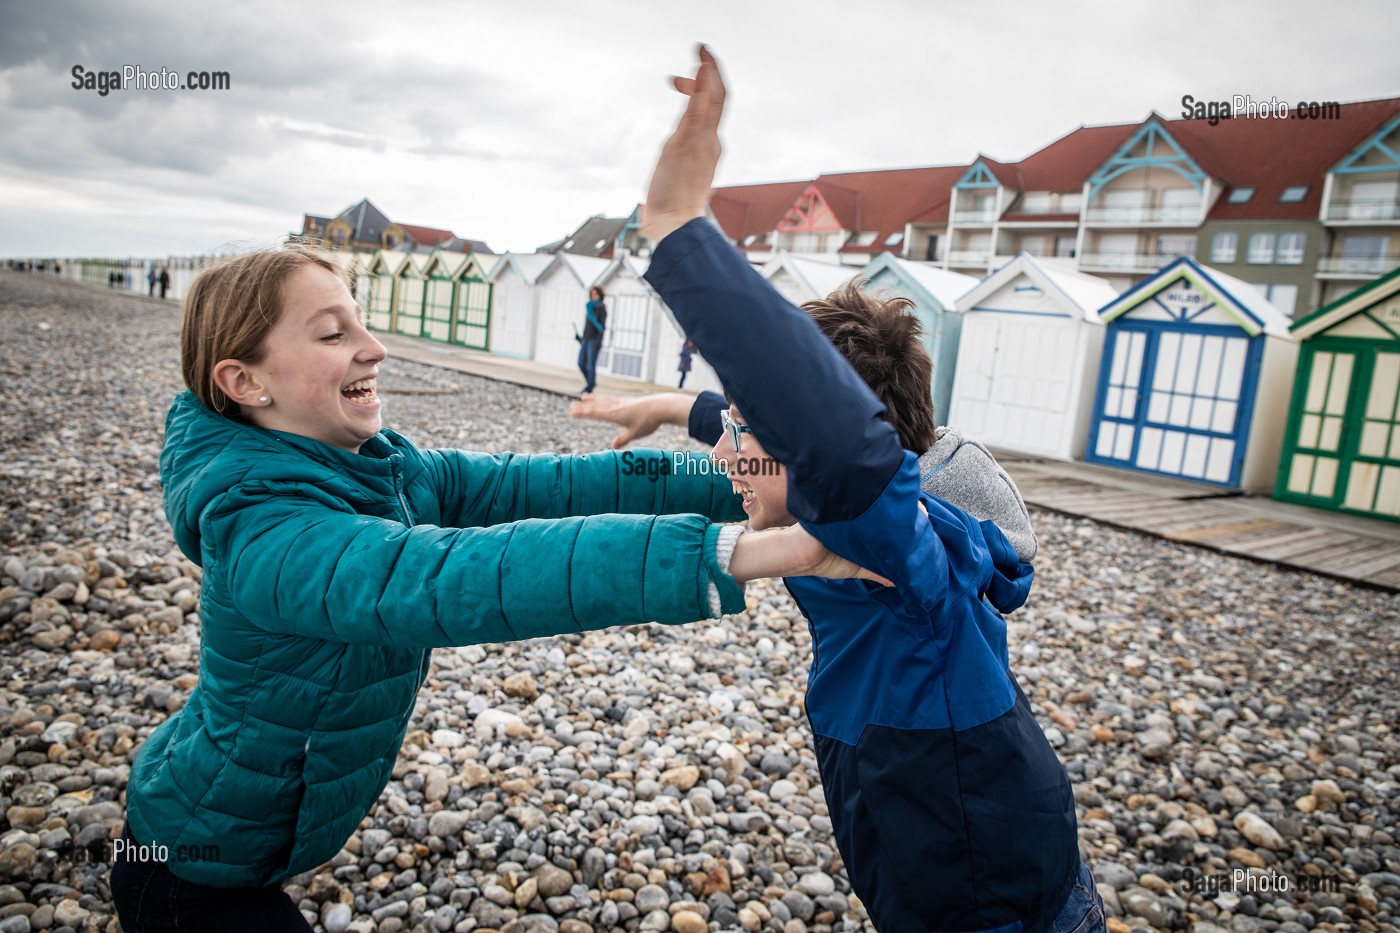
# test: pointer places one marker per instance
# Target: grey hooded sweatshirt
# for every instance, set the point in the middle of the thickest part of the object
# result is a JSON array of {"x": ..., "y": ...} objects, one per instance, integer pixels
[{"x": 962, "y": 472}]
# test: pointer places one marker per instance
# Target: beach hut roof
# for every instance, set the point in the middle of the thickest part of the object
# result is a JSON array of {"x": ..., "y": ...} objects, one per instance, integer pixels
[
  {"x": 937, "y": 283},
  {"x": 1347, "y": 305},
  {"x": 528, "y": 266},
  {"x": 1084, "y": 293},
  {"x": 821, "y": 278},
  {"x": 585, "y": 269},
  {"x": 1237, "y": 298}
]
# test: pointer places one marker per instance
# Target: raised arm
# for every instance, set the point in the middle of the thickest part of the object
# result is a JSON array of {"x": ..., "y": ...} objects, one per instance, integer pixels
[{"x": 806, "y": 404}]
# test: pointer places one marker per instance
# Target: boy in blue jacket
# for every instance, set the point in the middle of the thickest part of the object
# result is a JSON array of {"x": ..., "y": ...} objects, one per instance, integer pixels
[{"x": 950, "y": 809}]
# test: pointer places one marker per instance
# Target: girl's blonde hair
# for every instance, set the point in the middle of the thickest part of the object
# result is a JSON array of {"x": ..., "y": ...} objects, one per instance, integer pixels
[{"x": 229, "y": 311}]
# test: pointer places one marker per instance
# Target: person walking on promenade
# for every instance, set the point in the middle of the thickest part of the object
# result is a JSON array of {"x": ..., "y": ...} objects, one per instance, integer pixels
[
  {"x": 683, "y": 367},
  {"x": 335, "y": 554},
  {"x": 595, "y": 322},
  {"x": 164, "y": 281},
  {"x": 151, "y": 282}
]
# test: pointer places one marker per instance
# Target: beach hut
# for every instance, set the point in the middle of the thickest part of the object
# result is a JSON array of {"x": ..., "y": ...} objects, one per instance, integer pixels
[
  {"x": 1197, "y": 368},
  {"x": 1341, "y": 448},
  {"x": 935, "y": 292},
  {"x": 560, "y": 299},
  {"x": 800, "y": 279},
  {"x": 471, "y": 305},
  {"x": 1028, "y": 358},
  {"x": 409, "y": 286},
  {"x": 379, "y": 295},
  {"x": 513, "y": 323},
  {"x": 439, "y": 284}
]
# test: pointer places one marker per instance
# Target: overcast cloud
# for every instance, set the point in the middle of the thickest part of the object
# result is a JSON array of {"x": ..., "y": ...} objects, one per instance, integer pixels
[{"x": 513, "y": 122}]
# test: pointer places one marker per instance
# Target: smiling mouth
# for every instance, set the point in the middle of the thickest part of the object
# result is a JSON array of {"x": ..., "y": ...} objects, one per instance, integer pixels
[{"x": 361, "y": 392}]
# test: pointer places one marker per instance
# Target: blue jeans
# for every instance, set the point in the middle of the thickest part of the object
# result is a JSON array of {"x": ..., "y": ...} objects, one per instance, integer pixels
[
  {"x": 149, "y": 898},
  {"x": 588, "y": 362},
  {"x": 1083, "y": 910}
]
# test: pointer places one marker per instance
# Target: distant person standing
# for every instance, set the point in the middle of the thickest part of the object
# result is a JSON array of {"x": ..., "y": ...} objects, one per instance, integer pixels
[
  {"x": 151, "y": 282},
  {"x": 164, "y": 281},
  {"x": 683, "y": 368},
  {"x": 592, "y": 340}
]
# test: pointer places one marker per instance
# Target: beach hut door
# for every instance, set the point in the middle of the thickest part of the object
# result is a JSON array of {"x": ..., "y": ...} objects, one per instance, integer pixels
[
  {"x": 1175, "y": 402},
  {"x": 1346, "y": 446}
]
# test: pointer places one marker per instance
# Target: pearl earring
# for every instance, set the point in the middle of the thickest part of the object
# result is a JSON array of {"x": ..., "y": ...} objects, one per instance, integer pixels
[{"x": 263, "y": 399}]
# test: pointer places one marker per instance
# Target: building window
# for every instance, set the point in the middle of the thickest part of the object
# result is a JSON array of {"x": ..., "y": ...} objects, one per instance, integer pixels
[
  {"x": 1290, "y": 248},
  {"x": 1282, "y": 296},
  {"x": 1293, "y": 194},
  {"x": 1064, "y": 247},
  {"x": 894, "y": 239},
  {"x": 1261, "y": 248},
  {"x": 863, "y": 238},
  {"x": 1069, "y": 203},
  {"x": 1038, "y": 203},
  {"x": 1240, "y": 196},
  {"x": 1224, "y": 247},
  {"x": 931, "y": 251}
]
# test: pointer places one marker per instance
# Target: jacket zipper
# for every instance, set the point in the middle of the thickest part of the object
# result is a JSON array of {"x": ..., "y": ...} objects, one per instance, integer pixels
[{"x": 398, "y": 493}]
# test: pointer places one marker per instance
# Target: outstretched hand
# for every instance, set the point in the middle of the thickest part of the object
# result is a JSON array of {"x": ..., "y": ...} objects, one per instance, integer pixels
[
  {"x": 685, "y": 170},
  {"x": 636, "y": 417}
]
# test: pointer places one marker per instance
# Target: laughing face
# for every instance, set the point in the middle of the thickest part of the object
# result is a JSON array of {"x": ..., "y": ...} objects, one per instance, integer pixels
[
  {"x": 757, "y": 477},
  {"x": 319, "y": 365}
]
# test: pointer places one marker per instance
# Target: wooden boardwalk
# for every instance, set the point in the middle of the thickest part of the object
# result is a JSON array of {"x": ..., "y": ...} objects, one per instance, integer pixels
[{"x": 1349, "y": 547}]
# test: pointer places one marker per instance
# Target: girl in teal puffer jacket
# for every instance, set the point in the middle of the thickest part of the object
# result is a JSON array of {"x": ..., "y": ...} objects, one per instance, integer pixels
[{"x": 335, "y": 555}]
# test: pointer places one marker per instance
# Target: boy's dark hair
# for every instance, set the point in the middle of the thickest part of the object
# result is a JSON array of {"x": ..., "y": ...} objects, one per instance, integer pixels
[{"x": 879, "y": 337}]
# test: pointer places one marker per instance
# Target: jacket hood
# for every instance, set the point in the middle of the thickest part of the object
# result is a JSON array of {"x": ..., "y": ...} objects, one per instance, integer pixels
[
  {"x": 961, "y": 471},
  {"x": 205, "y": 455}
]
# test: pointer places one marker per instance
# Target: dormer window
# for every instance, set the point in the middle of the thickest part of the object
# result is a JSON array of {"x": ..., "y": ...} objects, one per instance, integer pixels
[
  {"x": 1240, "y": 196},
  {"x": 1293, "y": 194},
  {"x": 894, "y": 239}
]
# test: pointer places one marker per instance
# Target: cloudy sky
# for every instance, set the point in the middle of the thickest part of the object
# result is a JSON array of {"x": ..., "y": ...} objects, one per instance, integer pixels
[{"x": 513, "y": 122}]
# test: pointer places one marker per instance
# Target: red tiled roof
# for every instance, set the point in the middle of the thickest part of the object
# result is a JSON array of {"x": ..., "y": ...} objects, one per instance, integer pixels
[
  {"x": 428, "y": 236},
  {"x": 744, "y": 210},
  {"x": 1271, "y": 155},
  {"x": 1066, "y": 163},
  {"x": 882, "y": 202}
]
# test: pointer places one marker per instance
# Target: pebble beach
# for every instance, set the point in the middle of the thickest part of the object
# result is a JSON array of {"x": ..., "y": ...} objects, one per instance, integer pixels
[{"x": 1230, "y": 727}]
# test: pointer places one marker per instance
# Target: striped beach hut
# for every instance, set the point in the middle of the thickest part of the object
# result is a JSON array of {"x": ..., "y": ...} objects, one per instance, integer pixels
[
  {"x": 1194, "y": 384},
  {"x": 935, "y": 292},
  {"x": 1341, "y": 449},
  {"x": 1029, "y": 356},
  {"x": 513, "y": 310},
  {"x": 472, "y": 311},
  {"x": 409, "y": 286},
  {"x": 562, "y": 293},
  {"x": 379, "y": 295}
]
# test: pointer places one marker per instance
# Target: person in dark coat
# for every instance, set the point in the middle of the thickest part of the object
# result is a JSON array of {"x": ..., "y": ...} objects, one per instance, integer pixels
[
  {"x": 683, "y": 368},
  {"x": 164, "y": 281}
]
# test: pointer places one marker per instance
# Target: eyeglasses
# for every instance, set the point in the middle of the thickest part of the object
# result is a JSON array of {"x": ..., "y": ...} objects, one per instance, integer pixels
[{"x": 734, "y": 429}]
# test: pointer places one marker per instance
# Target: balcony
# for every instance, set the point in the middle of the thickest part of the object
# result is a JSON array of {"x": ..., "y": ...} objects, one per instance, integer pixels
[
  {"x": 1126, "y": 262},
  {"x": 1364, "y": 210},
  {"x": 1185, "y": 215},
  {"x": 984, "y": 215},
  {"x": 1364, "y": 267},
  {"x": 963, "y": 259}
]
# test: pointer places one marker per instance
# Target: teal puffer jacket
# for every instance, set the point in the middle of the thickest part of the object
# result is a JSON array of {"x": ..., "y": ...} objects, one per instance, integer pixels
[{"x": 328, "y": 576}]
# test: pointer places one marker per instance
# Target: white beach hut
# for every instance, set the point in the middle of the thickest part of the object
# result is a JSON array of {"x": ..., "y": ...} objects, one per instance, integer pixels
[
  {"x": 560, "y": 299},
  {"x": 1029, "y": 357},
  {"x": 799, "y": 279},
  {"x": 513, "y": 302}
]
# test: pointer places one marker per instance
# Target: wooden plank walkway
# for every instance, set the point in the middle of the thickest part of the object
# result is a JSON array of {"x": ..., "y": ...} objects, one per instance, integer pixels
[{"x": 1349, "y": 547}]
